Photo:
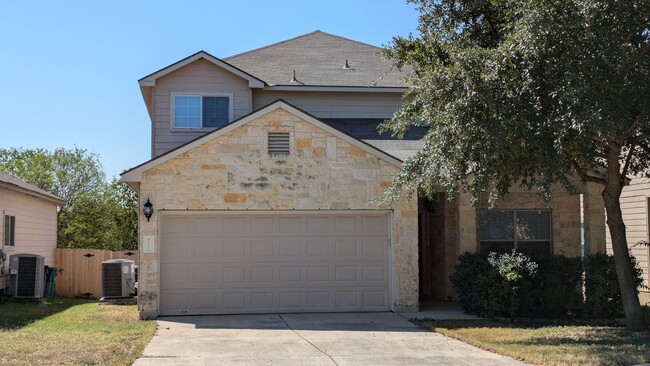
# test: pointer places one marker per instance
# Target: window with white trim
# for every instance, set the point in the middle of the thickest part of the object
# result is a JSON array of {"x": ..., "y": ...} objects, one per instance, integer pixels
[
  {"x": 201, "y": 111},
  {"x": 10, "y": 231},
  {"x": 527, "y": 231}
]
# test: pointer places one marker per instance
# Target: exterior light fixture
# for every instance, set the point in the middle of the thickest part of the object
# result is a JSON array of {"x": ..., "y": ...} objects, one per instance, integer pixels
[{"x": 147, "y": 210}]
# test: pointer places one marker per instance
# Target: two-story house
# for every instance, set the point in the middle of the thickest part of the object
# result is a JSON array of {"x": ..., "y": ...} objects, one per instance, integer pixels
[{"x": 259, "y": 194}]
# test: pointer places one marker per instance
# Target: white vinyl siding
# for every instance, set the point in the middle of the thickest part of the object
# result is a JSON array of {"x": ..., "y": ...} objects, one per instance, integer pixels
[
  {"x": 35, "y": 225},
  {"x": 635, "y": 205}
]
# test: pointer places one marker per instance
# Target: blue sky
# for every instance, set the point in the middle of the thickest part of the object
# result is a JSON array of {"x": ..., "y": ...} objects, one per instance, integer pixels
[{"x": 69, "y": 70}]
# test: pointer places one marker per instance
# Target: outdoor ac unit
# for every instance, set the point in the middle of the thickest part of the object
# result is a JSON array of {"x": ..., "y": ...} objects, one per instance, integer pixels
[
  {"x": 118, "y": 278},
  {"x": 26, "y": 275}
]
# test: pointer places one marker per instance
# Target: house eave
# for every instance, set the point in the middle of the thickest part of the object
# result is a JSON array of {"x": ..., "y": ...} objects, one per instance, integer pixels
[
  {"x": 150, "y": 80},
  {"x": 51, "y": 198},
  {"x": 328, "y": 88}
]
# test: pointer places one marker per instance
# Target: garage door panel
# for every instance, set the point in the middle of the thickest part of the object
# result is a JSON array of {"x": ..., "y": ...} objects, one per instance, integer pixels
[
  {"x": 374, "y": 225},
  {"x": 234, "y": 248},
  {"x": 255, "y": 263},
  {"x": 263, "y": 225},
  {"x": 346, "y": 225},
  {"x": 345, "y": 247},
  {"x": 264, "y": 248},
  {"x": 176, "y": 276},
  {"x": 318, "y": 248},
  {"x": 374, "y": 247},
  {"x": 204, "y": 249},
  {"x": 318, "y": 225},
  {"x": 290, "y": 225},
  {"x": 290, "y": 247},
  {"x": 178, "y": 250}
]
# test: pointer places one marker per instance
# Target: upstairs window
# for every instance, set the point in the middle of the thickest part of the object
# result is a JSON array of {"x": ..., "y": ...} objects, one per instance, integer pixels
[
  {"x": 10, "y": 230},
  {"x": 528, "y": 231},
  {"x": 201, "y": 111}
]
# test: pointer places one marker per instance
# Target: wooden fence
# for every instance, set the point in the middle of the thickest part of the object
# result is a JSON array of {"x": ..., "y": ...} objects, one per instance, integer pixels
[{"x": 81, "y": 270}]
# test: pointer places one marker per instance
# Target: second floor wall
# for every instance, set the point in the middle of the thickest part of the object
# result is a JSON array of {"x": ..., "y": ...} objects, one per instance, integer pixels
[{"x": 205, "y": 88}]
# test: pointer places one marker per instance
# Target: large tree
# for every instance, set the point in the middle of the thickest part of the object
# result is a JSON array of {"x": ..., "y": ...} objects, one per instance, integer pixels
[
  {"x": 529, "y": 92},
  {"x": 96, "y": 214}
]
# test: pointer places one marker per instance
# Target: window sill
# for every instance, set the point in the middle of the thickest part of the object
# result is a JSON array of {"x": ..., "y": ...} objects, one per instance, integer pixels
[{"x": 193, "y": 130}]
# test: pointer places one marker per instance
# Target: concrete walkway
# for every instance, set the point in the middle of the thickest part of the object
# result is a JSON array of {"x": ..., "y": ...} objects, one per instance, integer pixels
[{"x": 306, "y": 339}]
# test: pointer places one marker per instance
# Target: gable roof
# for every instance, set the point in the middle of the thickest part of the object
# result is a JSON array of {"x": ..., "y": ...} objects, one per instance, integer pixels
[
  {"x": 150, "y": 80},
  {"x": 15, "y": 184},
  {"x": 135, "y": 174},
  {"x": 318, "y": 59}
]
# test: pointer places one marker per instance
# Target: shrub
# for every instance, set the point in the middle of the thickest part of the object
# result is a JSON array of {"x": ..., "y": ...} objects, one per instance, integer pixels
[
  {"x": 602, "y": 293},
  {"x": 516, "y": 272},
  {"x": 472, "y": 279},
  {"x": 493, "y": 285},
  {"x": 558, "y": 292},
  {"x": 511, "y": 285}
]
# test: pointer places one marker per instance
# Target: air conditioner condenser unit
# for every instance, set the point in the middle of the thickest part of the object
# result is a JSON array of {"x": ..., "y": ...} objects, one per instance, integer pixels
[
  {"x": 118, "y": 278},
  {"x": 26, "y": 276}
]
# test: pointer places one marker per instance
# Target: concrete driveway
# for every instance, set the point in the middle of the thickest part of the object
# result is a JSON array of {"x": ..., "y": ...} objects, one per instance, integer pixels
[{"x": 306, "y": 339}]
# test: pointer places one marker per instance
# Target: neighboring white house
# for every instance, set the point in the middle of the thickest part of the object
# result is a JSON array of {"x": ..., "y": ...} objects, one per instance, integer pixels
[{"x": 28, "y": 222}]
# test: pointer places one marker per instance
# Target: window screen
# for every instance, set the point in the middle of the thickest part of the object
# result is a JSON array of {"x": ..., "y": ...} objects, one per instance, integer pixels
[{"x": 528, "y": 231}]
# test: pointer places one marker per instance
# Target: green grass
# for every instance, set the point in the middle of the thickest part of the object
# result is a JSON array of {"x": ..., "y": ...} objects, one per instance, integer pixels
[
  {"x": 71, "y": 332},
  {"x": 551, "y": 344}
]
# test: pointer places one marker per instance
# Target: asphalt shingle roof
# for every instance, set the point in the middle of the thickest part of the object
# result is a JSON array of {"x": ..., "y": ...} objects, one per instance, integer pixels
[
  {"x": 401, "y": 149},
  {"x": 11, "y": 182},
  {"x": 318, "y": 59}
]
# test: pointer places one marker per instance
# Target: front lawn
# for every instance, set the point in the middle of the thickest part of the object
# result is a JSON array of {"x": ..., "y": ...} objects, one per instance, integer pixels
[
  {"x": 71, "y": 331},
  {"x": 551, "y": 344}
]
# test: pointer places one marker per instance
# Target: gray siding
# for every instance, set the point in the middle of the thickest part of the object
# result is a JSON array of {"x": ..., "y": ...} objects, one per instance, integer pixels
[
  {"x": 199, "y": 76},
  {"x": 335, "y": 104},
  {"x": 634, "y": 204},
  {"x": 35, "y": 225}
]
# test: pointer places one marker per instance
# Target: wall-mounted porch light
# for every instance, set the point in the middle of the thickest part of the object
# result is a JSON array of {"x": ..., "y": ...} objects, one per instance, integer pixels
[{"x": 147, "y": 210}]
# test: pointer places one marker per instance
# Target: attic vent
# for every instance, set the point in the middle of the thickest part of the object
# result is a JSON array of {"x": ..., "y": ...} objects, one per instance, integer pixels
[{"x": 278, "y": 143}]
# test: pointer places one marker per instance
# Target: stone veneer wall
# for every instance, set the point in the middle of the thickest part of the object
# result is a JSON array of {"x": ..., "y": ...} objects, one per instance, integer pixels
[
  {"x": 234, "y": 171},
  {"x": 565, "y": 217},
  {"x": 461, "y": 231}
]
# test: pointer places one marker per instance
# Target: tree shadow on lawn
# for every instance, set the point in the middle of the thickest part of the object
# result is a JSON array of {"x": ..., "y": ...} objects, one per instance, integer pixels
[{"x": 18, "y": 313}]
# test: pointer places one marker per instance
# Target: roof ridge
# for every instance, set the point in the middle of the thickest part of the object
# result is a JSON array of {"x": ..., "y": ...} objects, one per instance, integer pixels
[
  {"x": 295, "y": 38},
  {"x": 352, "y": 40},
  {"x": 273, "y": 44}
]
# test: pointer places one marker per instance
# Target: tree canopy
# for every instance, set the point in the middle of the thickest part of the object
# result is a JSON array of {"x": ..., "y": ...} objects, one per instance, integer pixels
[
  {"x": 529, "y": 92},
  {"x": 97, "y": 214}
]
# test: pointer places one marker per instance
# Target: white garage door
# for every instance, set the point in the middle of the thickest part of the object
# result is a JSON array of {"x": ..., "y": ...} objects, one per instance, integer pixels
[{"x": 267, "y": 263}]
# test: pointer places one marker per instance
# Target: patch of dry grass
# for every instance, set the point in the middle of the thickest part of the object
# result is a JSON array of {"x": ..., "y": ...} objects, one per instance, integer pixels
[
  {"x": 71, "y": 332},
  {"x": 552, "y": 345}
]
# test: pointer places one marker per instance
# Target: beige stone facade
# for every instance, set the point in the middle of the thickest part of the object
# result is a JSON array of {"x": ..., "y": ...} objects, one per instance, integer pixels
[{"x": 234, "y": 171}]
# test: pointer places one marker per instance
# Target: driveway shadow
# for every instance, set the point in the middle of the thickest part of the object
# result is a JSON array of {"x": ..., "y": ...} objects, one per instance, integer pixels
[{"x": 358, "y": 322}]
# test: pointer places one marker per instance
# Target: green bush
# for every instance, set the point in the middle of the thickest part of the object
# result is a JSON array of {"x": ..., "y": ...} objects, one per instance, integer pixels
[
  {"x": 557, "y": 293},
  {"x": 516, "y": 272},
  {"x": 493, "y": 285},
  {"x": 602, "y": 294},
  {"x": 511, "y": 285},
  {"x": 473, "y": 278}
]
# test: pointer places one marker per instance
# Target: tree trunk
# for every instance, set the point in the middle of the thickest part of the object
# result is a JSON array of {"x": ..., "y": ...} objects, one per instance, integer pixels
[{"x": 624, "y": 271}]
